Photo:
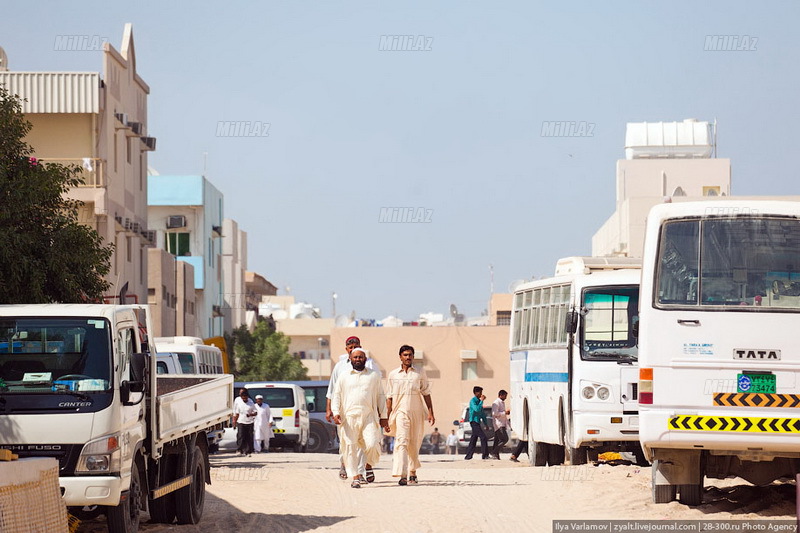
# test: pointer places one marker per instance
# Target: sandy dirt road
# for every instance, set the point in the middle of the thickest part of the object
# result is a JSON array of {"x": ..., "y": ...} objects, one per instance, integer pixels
[{"x": 287, "y": 492}]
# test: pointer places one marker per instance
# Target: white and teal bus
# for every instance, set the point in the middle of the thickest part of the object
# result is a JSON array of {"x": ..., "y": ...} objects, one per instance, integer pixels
[
  {"x": 574, "y": 361},
  {"x": 719, "y": 347}
]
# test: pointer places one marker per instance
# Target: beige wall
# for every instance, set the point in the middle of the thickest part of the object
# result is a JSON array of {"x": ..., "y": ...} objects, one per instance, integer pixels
[
  {"x": 441, "y": 348},
  {"x": 186, "y": 308},
  {"x": 161, "y": 292},
  {"x": 643, "y": 183}
]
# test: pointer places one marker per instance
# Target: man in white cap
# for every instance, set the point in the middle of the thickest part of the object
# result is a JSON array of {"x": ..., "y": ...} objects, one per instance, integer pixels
[
  {"x": 359, "y": 406},
  {"x": 343, "y": 365},
  {"x": 263, "y": 425}
]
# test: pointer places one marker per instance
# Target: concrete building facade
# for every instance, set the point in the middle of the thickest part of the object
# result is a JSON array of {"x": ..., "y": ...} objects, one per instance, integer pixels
[
  {"x": 186, "y": 213},
  {"x": 234, "y": 266},
  {"x": 100, "y": 124}
]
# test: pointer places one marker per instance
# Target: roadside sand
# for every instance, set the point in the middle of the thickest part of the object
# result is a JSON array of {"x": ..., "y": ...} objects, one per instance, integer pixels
[{"x": 286, "y": 492}]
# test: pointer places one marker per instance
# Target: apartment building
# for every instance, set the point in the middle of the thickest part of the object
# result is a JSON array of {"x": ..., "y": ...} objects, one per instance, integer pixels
[
  {"x": 98, "y": 122},
  {"x": 186, "y": 214}
]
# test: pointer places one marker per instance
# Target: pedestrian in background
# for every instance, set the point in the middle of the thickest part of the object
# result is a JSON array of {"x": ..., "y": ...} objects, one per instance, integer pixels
[
  {"x": 477, "y": 419},
  {"x": 452, "y": 442},
  {"x": 500, "y": 420},
  {"x": 262, "y": 430},
  {"x": 244, "y": 416},
  {"x": 408, "y": 404},
  {"x": 436, "y": 439}
]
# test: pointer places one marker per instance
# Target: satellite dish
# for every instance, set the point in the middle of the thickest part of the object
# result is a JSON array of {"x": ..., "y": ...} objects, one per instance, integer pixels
[
  {"x": 288, "y": 289},
  {"x": 514, "y": 284},
  {"x": 342, "y": 321},
  {"x": 453, "y": 310}
]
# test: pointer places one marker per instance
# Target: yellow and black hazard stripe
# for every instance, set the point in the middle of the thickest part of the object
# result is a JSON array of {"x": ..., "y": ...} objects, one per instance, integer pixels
[
  {"x": 274, "y": 430},
  {"x": 746, "y": 424},
  {"x": 755, "y": 399}
]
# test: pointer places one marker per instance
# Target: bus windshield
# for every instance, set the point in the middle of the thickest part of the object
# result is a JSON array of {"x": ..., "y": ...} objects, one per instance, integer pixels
[
  {"x": 56, "y": 354},
  {"x": 609, "y": 314},
  {"x": 743, "y": 263}
]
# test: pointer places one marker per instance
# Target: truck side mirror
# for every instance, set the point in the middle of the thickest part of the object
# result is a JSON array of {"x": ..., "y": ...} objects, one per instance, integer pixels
[
  {"x": 138, "y": 381},
  {"x": 571, "y": 322}
]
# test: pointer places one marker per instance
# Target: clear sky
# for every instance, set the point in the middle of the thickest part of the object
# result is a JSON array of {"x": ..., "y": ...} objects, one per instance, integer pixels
[{"x": 454, "y": 130}]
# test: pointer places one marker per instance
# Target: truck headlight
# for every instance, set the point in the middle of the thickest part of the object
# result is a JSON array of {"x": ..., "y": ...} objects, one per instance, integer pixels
[
  {"x": 603, "y": 393},
  {"x": 100, "y": 456}
]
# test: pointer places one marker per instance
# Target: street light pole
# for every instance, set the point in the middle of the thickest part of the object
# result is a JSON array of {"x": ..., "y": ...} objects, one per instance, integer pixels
[{"x": 319, "y": 357}]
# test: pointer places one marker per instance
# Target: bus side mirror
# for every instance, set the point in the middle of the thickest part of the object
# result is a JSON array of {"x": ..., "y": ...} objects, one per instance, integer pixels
[
  {"x": 635, "y": 329},
  {"x": 571, "y": 324}
]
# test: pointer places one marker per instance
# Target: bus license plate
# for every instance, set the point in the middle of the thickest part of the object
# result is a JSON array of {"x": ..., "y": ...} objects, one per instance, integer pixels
[{"x": 757, "y": 383}]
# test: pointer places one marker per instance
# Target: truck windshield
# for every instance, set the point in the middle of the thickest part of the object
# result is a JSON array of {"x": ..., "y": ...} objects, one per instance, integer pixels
[
  {"x": 609, "y": 314},
  {"x": 54, "y": 354},
  {"x": 743, "y": 263}
]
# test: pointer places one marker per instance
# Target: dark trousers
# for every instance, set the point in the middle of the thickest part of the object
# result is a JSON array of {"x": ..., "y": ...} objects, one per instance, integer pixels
[
  {"x": 244, "y": 438},
  {"x": 522, "y": 447},
  {"x": 500, "y": 439},
  {"x": 477, "y": 432}
]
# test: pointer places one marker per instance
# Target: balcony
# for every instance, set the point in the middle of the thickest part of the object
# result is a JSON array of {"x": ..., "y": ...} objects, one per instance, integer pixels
[{"x": 92, "y": 169}]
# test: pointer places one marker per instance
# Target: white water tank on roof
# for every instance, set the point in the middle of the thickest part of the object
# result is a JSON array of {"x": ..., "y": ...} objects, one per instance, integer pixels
[{"x": 689, "y": 139}]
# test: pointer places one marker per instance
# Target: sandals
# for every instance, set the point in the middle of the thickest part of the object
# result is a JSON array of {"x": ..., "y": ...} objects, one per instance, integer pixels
[
  {"x": 412, "y": 480},
  {"x": 356, "y": 484},
  {"x": 403, "y": 481},
  {"x": 342, "y": 473},
  {"x": 370, "y": 475}
]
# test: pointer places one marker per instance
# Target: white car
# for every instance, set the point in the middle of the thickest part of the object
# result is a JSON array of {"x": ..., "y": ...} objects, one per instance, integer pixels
[{"x": 289, "y": 411}]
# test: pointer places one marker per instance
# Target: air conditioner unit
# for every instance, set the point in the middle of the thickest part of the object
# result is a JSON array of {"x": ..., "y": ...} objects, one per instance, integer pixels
[
  {"x": 216, "y": 311},
  {"x": 122, "y": 117},
  {"x": 150, "y": 235},
  {"x": 128, "y": 224},
  {"x": 136, "y": 227},
  {"x": 118, "y": 219},
  {"x": 136, "y": 127},
  {"x": 150, "y": 143},
  {"x": 419, "y": 356},
  {"x": 217, "y": 231},
  {"x": 469, "y": 355},
  {"x": 176, "y": 221}
]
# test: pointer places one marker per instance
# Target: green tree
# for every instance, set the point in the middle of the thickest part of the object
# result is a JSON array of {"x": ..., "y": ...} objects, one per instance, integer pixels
[
  {"x": 264, "y": 355},
  {"x": 45, "y": 254}
]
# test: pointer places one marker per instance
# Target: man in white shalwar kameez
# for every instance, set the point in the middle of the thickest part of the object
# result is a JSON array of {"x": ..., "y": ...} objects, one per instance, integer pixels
[
  {"x": 409, "y": 404},
  {"x": 359, "y": 406},
  {"x": 263, "y": 425}
]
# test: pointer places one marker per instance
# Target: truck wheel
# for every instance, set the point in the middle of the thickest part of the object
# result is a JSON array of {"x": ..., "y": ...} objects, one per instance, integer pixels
[
  {"x": 661, "y": 493},
  {"x": 162, "y": 510},
  {"x": 124, "y": 518},
  {"x": 190, "y": 499}
]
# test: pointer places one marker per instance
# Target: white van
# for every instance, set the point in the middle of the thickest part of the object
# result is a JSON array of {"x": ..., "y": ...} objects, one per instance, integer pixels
[{"x": 289, "y": 411}]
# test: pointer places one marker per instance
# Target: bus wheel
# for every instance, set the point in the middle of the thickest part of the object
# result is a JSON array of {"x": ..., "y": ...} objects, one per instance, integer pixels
[
  {"x": 661, "y": 493},
  {"x": 537, "y": 451},
  {"x": 574, "y": 456}
]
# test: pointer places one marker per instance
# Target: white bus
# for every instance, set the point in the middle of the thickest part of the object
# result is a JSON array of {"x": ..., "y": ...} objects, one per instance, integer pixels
[
  {"x": 194, "y": 356},
  {"x": 573, "y": 361},
  {"x": 719, "y": 347}
]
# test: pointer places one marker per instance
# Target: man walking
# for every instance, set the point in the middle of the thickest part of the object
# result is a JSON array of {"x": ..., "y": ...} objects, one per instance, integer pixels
[
  {"x": 244, "y": 415},
  {"x": 358, "y": 404},
  {"x": 262, "y": 430},
  {"x": 436, "y": 439},
  {"x": 452, "y": 442},
  {"x": 476, "y": 419},
  {"x": 408, "y": 405},
  {"x": 500, "y": 419}
]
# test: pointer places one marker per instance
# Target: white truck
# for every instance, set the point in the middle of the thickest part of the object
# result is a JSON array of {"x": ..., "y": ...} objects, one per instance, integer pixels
[
  {"x": 719, "y": 356},
  {"x": 78, "y": 383}
]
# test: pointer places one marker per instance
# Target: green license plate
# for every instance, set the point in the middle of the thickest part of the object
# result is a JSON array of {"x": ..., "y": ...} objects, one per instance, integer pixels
[{"x": 760, "y": 383}]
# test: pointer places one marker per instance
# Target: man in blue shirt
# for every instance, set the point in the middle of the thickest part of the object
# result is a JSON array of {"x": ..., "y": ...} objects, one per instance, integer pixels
[{"x": 477, "y": 419}]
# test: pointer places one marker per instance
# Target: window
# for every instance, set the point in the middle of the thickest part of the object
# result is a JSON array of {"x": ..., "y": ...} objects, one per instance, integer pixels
[
  {"x": 178, "y": 244},
  {"x": 608, "y": 318},
  {"x": 504, "y": 318},
  {"x": 469, "y": 370},
  {"x": 735, "y": 261},
  {"x": 711, "y": 191}
]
